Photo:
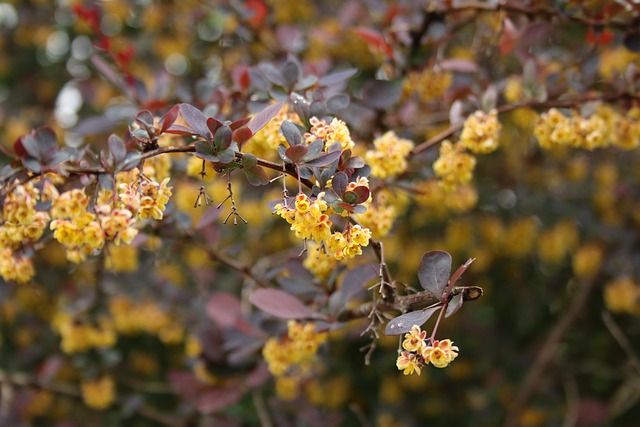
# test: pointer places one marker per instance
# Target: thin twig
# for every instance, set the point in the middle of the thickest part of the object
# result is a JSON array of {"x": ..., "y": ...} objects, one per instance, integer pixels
[
  {"x": 622, "y": 340},
  {"x": 546, "y": 353}
]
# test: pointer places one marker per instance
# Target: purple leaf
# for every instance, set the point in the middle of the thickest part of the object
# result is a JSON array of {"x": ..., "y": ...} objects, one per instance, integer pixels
[
  {"x": 459, "y": 65},
  {"x": 337, "y": 77},
  {"x": 362, "y": 194},
  {"x": 41, "y": 144},
  {"x": 280, "y": 304},
  {"x": 323, "y": 159},
  {"x": 216, "y": 399},
  {"x": 381, "y": 94},
  {"x": 213, "y": 125},
  {"x": 291, "y": 133},
  {"x": 454, "y": 305},
  {"x": 196, "y": 120},
  {"x": 263, "y": 117},
  {"x": 339, "y": 183},
  {"x": 434, "y": 272},
  {"x": 145, "y": 120},
  {"x": 223, "y": 308},
  {"x": 117, "y": 148},
  {"x": 403, "y": 324},
  {"x": 352, "y": 283},
  {"x": 460, "y": 271},
  {"x": 239, "y": 123}
]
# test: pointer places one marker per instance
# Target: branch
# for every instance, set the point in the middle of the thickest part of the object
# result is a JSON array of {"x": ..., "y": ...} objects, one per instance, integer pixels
[
  {"x": 29, "y": 381},
  {"x": 407, "y": 303}
]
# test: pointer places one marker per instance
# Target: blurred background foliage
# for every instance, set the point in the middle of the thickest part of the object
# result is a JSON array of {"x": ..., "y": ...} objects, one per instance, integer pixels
[{"x": 129, "y": 336}]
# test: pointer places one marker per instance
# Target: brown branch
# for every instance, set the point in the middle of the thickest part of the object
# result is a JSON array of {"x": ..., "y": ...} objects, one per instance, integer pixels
[
  {"x": 405, "y": 303},
  {"x": 545, "y": 11},
  {"x": 546, "y": 353},
  {"x": 29, "y": 381}
]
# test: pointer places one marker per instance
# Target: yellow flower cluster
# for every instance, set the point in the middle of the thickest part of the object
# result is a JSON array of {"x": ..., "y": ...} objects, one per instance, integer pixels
[
  {"x": 417, "y": 353},
  {"x": 348, "y": 244},
  {"x": 308, "y": 220},
  {"x": 291, "y": 358},
  {"x": 336, "y": 131},
  {"x": 130, "y": 317},
  {"x": 481, "y": 132},
  {"x": 587, "y": 260},
  {"x": 622, "y": 296},
  {"x": 513, "y": 89},
  {"x": 454, "y": 165},
  {"x": 554, "y": 244},
  {"x": 78, "y": 230},
  {"x": 22, "y": 225},
  {"x": 78, "y": 336},
  {"x": 427, "y": 84},
  {"x": 389, "y": 158},
  {"x": 99, "y": 393},
  {"x": 319, "y": 262},
  {"x": 145, "y": 197},
  {"x": 378, "y": 218},
  {"x": 603, "y": 128}
]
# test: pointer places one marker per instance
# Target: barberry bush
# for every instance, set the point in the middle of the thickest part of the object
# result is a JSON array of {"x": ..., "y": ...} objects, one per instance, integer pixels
[{"x": 265, "y": 212}]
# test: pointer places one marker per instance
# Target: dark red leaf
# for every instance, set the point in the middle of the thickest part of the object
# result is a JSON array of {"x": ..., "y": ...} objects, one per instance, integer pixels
[
  {"x": 170, "y": 117},
  {"x": 381, "y": 94},
  {"x": 239, "y": 123},
  {"x": 242, "y": 135},
  {"x": 296, "y": 152},
  {"x": 280, "y": 304}
]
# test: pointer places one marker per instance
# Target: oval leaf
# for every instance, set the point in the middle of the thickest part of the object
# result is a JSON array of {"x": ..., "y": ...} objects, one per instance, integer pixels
[
  {"x": 339, "y": 183},
  {"x": 296, "y": 152},
  {"x": 382, "y": 94},
  {"x": 280, "y": 304},
  {"x": 263, "y": 117},
  {"x": 454, "y": 304},
  {"x": 403, "y": 324},
  {"x": 291, "y": 133},
  {"x": 434, "y": 272},
  {"x": 196, "y": 120}
]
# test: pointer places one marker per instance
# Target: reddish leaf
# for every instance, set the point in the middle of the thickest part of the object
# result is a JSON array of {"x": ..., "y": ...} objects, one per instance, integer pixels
[
  {"x": 280, "y": 304},
  {"x": 257, "y": 12},
  {"x": 263, "y": 117},
  {"x": 509, "y": 37},
  {"x": 223, "y": 308},
  {"x": 375, "y": 40},
  {"x": 434, "y": 272},
  {"x": 460, "y": 271},
  {"x": 242, "y": 135},
  {"x": 296, "y": 152},
  {"x": 170, "y": 117},
  {"x": 239, "y": 123},
  {"x": 256, "y": 175},
  {"x": 403, "y": 324}
]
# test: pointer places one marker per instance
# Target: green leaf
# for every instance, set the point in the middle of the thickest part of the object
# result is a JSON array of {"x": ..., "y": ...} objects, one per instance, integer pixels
[
  {"x": 205, "y": 151},
  {"x": 256, "y": 175}
]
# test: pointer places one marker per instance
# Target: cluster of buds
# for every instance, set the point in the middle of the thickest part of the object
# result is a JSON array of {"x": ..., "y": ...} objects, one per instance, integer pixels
[
  {"x": 130, "y": 317},
  {"x": 454, "y": 166},
  {"x": 22, "y": 225},
  {"x": 335, "y": 131},
  {"x": 389, "y": 158},
  {"x": 481, "y": 132},
  {"x": 291, "y": 359},
  {"x": 348, "y": 244},
  {"x": 78, "y": 336},
  {"x": 603, "y": 128},
  {"x": 308, "y": 218},
  {"x": 427, "y": 84},
  {"x": 99, "y": 393},
  {"x": 417, "y": 353}
]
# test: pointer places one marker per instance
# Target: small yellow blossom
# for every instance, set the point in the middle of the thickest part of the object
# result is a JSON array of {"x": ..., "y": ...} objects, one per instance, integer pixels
[
  {"x": 99, "y": 394},
  {"x": 408, "y": 363}
]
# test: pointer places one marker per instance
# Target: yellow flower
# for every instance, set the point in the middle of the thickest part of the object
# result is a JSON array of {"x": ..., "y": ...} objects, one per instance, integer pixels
[
  {"x": 440, "y": 354},
  {"x": 414, "y": 340},
  {"x": 99, "y": 394},
  {"x": 408, "y": 363}
]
